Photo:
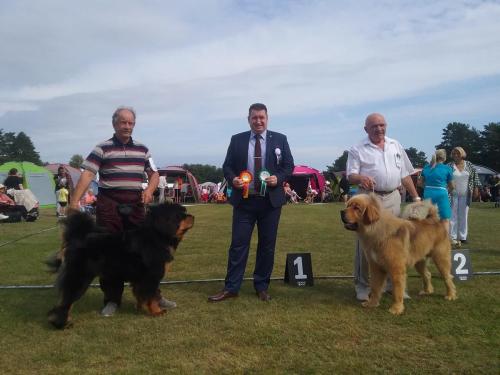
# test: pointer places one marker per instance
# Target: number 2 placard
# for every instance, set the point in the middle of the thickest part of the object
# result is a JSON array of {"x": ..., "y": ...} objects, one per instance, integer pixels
[{"x": 461, "y": 266}]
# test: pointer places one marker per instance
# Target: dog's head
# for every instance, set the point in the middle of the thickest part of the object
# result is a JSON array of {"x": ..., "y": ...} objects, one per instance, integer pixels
[
  {"x": 361, "y": 210},
  {"x": 170, "y": 220}
]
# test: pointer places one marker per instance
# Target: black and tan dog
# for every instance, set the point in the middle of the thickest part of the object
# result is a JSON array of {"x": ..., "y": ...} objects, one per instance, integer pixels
[
  {"x": 391, "y": 244},
  {"x": 140, "y": 256}
]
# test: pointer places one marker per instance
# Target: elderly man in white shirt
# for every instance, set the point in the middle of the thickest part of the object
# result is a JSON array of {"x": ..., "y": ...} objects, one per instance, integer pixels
[{"x": 378, "y": 164}]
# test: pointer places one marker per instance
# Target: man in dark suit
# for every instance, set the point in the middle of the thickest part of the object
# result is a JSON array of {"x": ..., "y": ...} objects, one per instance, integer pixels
[{"x": 266, "y": 156}]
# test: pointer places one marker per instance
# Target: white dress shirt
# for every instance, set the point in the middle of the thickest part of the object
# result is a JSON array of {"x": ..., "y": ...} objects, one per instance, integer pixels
[{"x": 387, "y": 167}]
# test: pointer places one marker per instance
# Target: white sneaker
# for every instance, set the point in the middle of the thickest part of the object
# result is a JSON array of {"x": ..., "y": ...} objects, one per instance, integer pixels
[
  {"x": 3, "y": 217},
  {"x": 362, "y": 292},
  {"x": 109, "y": 309},
  {"x": 166, "y": 304}
]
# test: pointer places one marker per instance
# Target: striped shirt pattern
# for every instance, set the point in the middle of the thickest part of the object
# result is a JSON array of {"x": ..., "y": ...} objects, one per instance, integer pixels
[{"x": 120, "y": 166}]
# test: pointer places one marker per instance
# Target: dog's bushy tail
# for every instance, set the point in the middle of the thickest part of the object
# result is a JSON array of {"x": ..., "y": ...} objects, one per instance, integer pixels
[
  {"x": 76, "y": 227},
  {"x": 433, "y": 213},
  {"x": 424, "y": 210}
]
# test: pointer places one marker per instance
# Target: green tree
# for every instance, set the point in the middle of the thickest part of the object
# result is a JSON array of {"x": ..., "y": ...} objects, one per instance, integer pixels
[
  {"x": 76, "y": 161},
  {"x": 490, "y": 150},
  {"x": 418, "y": 158},
  {"x": 463, "y": 135},
  {"x": 6, "y": 141},
  {"x": 338, "y": 165},
  {"x": 205, "y": 172},
  {"x": 21, "y": 148}
]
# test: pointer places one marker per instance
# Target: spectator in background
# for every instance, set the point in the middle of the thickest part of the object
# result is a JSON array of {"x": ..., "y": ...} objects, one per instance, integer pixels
[
  {"x": 204, "y": 195},
  {"x": 467, "y": 186},
  {"x": 184, "y": 191},
  {"x": 13, "y": 180},
  {"x": 437, "y": 181},
  {"x": 327, "y": 192},
  {"x": 344, "y": 188},
  {"x": 62, "y": 178},
  {"x": 62, "y": 195},
  {"x": 486, "y": 194},
  {"x": 162, "y": 184},
  {"x": 310, "y": 194},
  {"x": 495, "y": 197},
  {"x": 177, "y": 189},
  {"x": 8, "y": 207},
  {"x": 291, "y": 194},
  {"x": 88, "y": 202}
]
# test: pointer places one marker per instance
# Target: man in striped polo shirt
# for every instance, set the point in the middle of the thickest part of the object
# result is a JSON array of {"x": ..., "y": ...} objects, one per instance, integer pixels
[{"x": 121, "y": 163}]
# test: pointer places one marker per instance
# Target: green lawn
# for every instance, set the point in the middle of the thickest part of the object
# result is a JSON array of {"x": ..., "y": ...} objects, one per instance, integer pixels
[{"x": 313, "y": 330}]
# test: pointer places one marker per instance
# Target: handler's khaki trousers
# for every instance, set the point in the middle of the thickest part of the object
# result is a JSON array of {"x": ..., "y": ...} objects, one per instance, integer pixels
[{"x": 390, "y": 202}]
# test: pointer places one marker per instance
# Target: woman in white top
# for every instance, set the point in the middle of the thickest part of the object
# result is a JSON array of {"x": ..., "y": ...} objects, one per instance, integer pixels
[{"x": 466, "y": 186}]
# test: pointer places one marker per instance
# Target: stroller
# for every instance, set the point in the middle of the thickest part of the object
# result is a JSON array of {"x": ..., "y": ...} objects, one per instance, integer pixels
[{"x": 25, "y": 206}]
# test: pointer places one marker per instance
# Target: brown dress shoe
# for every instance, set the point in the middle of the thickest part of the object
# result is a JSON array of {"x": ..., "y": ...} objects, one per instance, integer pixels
[
  {"x": 221, "y": 296},
  {"x": 264, "y": 296}
]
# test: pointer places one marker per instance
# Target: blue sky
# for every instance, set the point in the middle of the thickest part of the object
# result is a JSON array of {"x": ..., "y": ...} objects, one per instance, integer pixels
[{"x": 192, "y": 68}]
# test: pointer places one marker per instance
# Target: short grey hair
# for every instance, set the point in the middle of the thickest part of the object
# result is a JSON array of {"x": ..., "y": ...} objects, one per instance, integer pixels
[{"x": 117, "y": 113}]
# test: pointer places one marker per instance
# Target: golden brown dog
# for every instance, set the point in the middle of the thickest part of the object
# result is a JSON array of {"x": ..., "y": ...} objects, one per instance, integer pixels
[{"x": 391, "y": 244}]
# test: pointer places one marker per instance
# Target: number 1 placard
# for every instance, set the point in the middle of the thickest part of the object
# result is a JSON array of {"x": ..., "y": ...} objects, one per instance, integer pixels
[{"x": 298, "y": 269}]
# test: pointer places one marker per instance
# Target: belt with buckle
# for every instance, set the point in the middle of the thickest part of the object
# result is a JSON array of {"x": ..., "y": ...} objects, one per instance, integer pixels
[{"x": 384, "y": 192}]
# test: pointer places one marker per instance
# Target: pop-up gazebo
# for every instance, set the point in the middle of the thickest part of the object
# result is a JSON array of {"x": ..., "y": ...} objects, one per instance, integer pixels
[
  {"x": 302, "y": 176},
  {"x": 38, "y": 179},
  {"x": 172, "y": 172}
]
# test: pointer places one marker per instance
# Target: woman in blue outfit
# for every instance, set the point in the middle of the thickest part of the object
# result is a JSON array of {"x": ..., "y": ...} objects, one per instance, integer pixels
[{"x": 437, "y": 180}]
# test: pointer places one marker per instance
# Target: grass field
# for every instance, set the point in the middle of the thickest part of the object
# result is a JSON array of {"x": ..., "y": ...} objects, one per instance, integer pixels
[{"x": 311, "y": 330}]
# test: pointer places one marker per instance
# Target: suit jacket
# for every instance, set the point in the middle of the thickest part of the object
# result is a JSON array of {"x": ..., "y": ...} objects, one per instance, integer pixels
[{"x": 237, "y": 159}]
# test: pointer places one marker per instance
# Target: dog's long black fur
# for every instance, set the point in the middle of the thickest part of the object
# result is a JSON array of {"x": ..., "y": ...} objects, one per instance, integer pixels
[{"x": 137, "y": 255}]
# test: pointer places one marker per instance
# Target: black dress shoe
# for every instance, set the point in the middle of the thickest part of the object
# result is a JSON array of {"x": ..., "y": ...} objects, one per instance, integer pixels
[
  {"x": 264, "y": 296},
  {"x": 221, "y": 296}
]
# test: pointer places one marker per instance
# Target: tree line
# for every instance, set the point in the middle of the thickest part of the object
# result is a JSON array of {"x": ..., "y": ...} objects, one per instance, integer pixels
[
  {"x": 482, "y": 147},
  {"x": 17, "y": 147}
]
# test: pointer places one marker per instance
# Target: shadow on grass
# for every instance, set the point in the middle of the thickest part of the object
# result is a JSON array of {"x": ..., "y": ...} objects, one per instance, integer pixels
[{"x": 24, "y": 306}]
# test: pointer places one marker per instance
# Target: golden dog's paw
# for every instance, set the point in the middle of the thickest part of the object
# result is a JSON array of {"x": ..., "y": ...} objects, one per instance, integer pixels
[
  {"x": 369, "y": 304},
  {"x": 397, "y": 309},
  {"x": 426, "y": 292},
  {"x": 158, "y": 313},
  {"x": 451, "y": 297}
]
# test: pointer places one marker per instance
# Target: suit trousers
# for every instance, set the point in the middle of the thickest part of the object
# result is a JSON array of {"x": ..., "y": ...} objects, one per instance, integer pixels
[
  {"x": 391, "y": 202},
  {"x": 251, "y": 211}
]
